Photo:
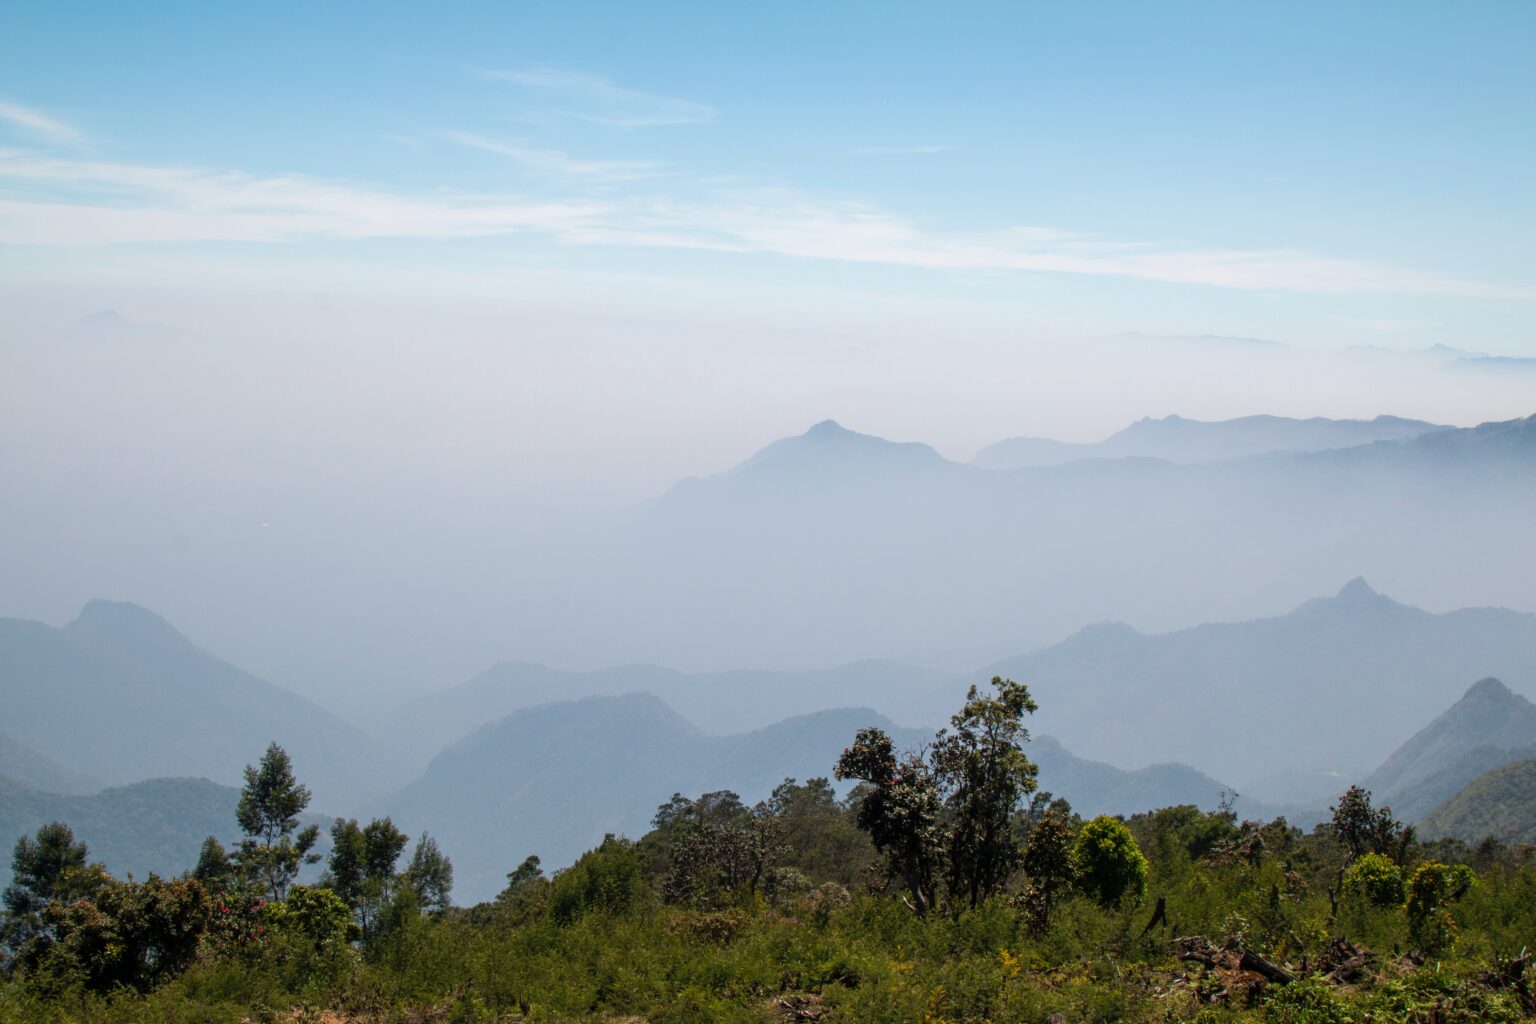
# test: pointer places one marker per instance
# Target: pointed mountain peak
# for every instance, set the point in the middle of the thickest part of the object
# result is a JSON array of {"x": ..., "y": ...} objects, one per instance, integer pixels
[
  {"x": 1357, "y": 589},
  {"x": 122, "y": 623},
  {"x": 829, "y": 428},
  {"x": 1489, "y": 689}
]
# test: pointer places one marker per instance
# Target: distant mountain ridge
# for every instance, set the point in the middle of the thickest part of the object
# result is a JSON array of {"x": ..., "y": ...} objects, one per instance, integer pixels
[
  {"x": 554, "y": 779},
  {"x": 717, "y": 702},
  {"x": 22, "y": 764},
  {"x": 119, "y": 694},
  {"x": 1177, "y": 439},
  {"x": 1489, "y": 726},
  {"x": 1326, "y": 686}
]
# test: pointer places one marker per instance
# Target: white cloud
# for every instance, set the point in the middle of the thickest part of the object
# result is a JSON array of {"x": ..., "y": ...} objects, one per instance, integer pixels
[
  {"x": 597, "y": 100},
  {"x": 37, "y": 123},
  {"x": 72, "y": 202},
  {"x": 555, "y": 161}
]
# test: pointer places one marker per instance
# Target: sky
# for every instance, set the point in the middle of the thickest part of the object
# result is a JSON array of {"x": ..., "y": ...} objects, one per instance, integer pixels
[
  {"x": 544, "y": 260},
  {"x": 1318, "y": 172}
]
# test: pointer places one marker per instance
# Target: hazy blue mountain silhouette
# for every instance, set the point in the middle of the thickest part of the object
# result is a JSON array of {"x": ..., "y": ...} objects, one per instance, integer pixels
[
  {"x": 22, "y": 764},
  {"x": 1330, "y": 686},
  {"x": 119, "y": 694},
  {"x": 1489, "y": 726},
  {"x": 717, "y": 702},
  {"x": 832, "y": 547},
  {"x": 1177, "y": 439},
  {"x": 554, "y": 779}
]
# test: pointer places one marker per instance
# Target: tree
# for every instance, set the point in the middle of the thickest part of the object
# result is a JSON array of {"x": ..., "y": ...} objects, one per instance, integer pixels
[
  {"x": 980, "y": 760},
  {"x": 605, "y": 880},
  {"x": 130, "y": 934},
  {"x": 430, "y": 874},
  {"x": 900, "y": 809},
  {"x": 268, "y": 813},
  {"x": 213, "y": 867},
  {"x": 361, "y": 868},
  {"x": 1109, "y": 865},
  {"x": 725, "y": 860},
  {"x": 1365, "y": 830},
  {"x": 49, "y": 868},
  {"x": 1047, "y": 860},
  {"x": 1433, "y": 887}
]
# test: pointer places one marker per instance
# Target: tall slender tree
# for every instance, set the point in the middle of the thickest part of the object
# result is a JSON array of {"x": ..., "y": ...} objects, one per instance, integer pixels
[
  {"x": 274, "y": 848},
  {"x": 980, "y": 763}
]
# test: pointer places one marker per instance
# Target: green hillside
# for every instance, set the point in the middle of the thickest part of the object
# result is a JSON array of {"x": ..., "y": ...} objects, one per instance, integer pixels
[
  {"x": 152, "y": 826},
  {"x": 1499, "y": 803}
]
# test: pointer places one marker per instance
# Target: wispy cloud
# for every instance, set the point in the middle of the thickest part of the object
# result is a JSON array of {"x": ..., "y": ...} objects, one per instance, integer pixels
[
  {"x": 554, "y": 161},
  {"x": 919, "y": 150},
  {"x": 71, "y": 202},
  {"x": 597, "y": 100},
  {"x": 37, "y": 123}
]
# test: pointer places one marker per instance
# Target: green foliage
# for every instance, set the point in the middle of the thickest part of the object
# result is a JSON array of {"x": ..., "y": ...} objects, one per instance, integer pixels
[
  {"x": 48, "y": 868},
  {"x": 1048, "y": 863},
  {"x": 980, "y": 761},
  {"x": 429, "y": 874},
  {"x": 131, "y": 934},
  {"x": 899, "y": 806},
  {"x": 214, "y": 868},
  {"x": 1374, "y": 880},
  {"x": 361, "y": 867},
  {"x": 1363, "y": 829},
  {"x": 1108, "y": 864},
  {"x": 317, "y": 916},
  {"x": 268, "y": 814},
  {"x": 1433, "y": 887},
  {"x": 607, "y": 880}
]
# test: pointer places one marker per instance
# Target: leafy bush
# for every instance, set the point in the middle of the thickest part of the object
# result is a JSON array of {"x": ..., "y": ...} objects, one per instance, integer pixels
[
  {"x": 1374, "y": 880},
  {"x": 1109, "y": 865}
]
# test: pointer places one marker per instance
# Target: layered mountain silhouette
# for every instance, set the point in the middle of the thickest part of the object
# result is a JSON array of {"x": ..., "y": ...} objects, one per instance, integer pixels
[
  {"x": 1177, "y": 439},
  {"x": 1488, "y": 727},
  {"x": 834, "y": 547},
  {"x": 22, "y": 764},
  {"x": 553, "y": 779},
  {"x": 118, "y": 694},
  {"x": 1500, "y": 803},
  {"x": 717, "y": 702},
  {"x": 1327, "y": 687}
]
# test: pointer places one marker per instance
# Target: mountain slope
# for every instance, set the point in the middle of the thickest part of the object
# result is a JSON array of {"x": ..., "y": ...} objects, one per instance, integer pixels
[
  {"x": 1326, "y": 687},
  {"x": 1177, "y": 439},
  {"x": 718, "y": 702},
  {"x": 157, "y": 825},
  {"x": 798, "y": 560},
  {"x": 22, "y": 764},
  {"x": 120, "y": 694},
  {"x": 1488, "y": 726},
  {"x": 554, "y": 779},
  {"x": 1499, "y": 803}
]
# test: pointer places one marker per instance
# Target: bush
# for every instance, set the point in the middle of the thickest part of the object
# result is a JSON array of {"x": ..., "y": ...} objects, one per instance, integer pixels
[
  {"x": 1375, "y": 880},
  {"x": 1108, "y": 863}
]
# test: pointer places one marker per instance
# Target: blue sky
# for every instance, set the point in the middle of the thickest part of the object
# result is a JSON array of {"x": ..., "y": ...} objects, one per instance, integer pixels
[{"x": 1324, "y": 173}]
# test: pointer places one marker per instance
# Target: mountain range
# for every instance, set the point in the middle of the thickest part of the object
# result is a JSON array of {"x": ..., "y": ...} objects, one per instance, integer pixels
[
  {"x": 508, "y": 789},
  {"x": 119, "y": 695},
  {"x": 1177, "y": 439}
]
